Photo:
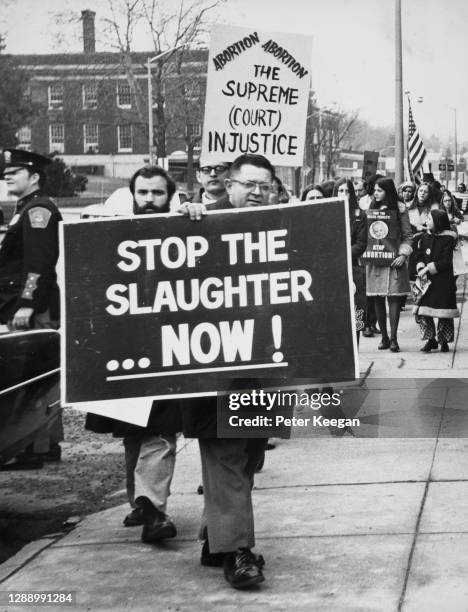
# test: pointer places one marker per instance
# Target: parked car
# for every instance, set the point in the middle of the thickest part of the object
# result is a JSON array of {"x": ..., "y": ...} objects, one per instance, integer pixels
[{"x": 29, "y": 387}]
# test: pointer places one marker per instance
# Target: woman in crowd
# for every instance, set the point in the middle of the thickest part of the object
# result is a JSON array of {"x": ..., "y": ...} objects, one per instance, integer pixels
[
  {"x": 449, "y": 204},
  {"x": 279, "y": 194},
  {"x": 327, "y": 187},
  {"x": 358, "y": 226},
  {"x": 390, "y": 282},
  {"x": 419, "y": 212},
  {"x": 406, "y": 192},
  {"x": 370, "y": 327},
  {"x": 434, "y": 254},
  {"x": 312, "y": 192}
]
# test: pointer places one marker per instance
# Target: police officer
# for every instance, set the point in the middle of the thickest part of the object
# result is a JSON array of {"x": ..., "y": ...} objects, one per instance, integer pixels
[{"x": 29, "y": 296}]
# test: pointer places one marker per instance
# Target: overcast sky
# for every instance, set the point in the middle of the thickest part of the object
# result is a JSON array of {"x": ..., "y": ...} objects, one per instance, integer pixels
[{"x": 353, "y": 49}]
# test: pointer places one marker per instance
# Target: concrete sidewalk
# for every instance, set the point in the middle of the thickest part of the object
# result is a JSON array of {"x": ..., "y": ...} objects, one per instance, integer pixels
[
  {"x": 345, "y": 523},
  {"x": 410, "y": 362}
]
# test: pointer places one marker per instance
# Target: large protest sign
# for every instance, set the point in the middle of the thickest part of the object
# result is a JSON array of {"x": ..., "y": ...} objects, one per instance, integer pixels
[
  {"x": 164, "y": 306},
  {"x": 382, "y": 237},
  {"x": 257, "y": 95}
]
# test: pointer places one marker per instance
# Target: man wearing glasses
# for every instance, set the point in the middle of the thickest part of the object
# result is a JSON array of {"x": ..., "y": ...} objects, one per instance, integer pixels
[
  {"x": 211, "y": 177},
  {"x": 228, "y": 464}
]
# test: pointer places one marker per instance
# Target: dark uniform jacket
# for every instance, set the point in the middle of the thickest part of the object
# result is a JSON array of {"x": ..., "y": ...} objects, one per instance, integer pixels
[{"x": 28, "y": 256}]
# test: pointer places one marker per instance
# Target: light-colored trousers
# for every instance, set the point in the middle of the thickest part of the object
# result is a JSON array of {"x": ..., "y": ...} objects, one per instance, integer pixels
[{"x": 150, "y": 463}]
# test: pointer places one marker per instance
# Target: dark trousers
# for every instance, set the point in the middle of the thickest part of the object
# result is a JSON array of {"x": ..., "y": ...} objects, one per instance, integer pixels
[
  {"x": 371, "y": 317},
  {"x": 228, "y": 467}
]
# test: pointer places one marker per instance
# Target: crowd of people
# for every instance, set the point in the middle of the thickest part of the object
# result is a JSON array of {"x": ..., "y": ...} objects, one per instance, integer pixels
[{"x": 427, "y": 220}]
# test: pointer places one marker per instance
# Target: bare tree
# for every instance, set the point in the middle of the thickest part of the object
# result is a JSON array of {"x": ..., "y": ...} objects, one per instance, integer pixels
[
  {"x": 171, "y": 26},
  {"x": 185, "y": 114},
  {"x": 336, "y": 126},
  {"x": 16, "y": 107},
  {"x": 325, "y": 133}
]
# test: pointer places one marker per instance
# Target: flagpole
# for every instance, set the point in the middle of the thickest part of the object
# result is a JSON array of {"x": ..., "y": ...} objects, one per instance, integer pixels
[
  {"x": 408, "y": 163},
  {"x": 398, "y": 97}
]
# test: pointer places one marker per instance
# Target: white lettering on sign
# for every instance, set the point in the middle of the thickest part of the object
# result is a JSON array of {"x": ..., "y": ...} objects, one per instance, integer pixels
[
  {"x": 265, "y": 245},
  {"x": 205, "y": 342},
  {"x": 174, "y": 252},
  {"x": 212, "y": 293}
]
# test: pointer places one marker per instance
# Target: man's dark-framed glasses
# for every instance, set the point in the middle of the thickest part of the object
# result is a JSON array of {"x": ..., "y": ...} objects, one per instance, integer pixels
[
  {"x": 252, "y": 185},
  {"x": 209, "y": 169}
]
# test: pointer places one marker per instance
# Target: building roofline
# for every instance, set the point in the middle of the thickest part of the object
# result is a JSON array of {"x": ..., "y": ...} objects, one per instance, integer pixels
[{"x": 101, "y": 57}]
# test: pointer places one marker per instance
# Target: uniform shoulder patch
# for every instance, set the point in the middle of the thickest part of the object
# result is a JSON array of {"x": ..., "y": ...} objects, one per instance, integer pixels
[{"x": 39, "y": 217}]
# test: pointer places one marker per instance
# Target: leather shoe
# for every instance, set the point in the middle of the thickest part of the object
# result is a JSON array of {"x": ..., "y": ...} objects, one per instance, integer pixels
[
  {"x": 375, "y": 330},
  {"x": 156, "y": 525},
  {"x": 444, "y": 347},
  {"x": 385, "y": 344},
  {"x": 24, "y": 461},
  {"x": 430, "y": 345},
  {"x": 241, "y": 570},
  {"x": 368, "y": 333},
  {"x": 135, "y": 518},
  {"x": 394, "y": 346},
  {"x": 209, "y": 559},
  {"x": 160, "y": 528}
]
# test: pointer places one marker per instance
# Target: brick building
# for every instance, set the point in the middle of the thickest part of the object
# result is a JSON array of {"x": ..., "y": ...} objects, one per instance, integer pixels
[{"x": 92, "y": 108}]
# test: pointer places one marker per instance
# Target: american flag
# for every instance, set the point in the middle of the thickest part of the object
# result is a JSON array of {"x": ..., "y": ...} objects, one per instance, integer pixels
[{"x": 416, "y": 150}]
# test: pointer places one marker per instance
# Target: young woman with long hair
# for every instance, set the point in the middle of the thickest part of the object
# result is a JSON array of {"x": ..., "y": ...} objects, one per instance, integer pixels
[{"x": 391, "y": 282}]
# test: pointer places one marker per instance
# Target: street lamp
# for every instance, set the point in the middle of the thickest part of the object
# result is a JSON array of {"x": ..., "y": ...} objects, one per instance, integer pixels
[{"x": 150, "y": 96}]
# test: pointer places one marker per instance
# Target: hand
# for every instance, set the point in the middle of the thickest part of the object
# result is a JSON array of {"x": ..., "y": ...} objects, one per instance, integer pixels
[
  {"x": 193, "y": 210},
  {"x": 398, "y": 262},
  {"x": 421, "y": 228},
  {"x": 22, "y": 318},
  {"x": 422, "y": 272}
]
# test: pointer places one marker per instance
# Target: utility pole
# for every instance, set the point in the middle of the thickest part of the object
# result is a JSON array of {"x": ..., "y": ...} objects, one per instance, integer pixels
[
  {"x": 399, "y": 153},
  {"x": 456, "y": 146}
]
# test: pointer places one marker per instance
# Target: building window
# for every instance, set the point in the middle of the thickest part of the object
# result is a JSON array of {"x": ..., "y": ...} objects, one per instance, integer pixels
[
  {"x": 90, "y": 95},
  {"x": 124, "y": 133},
  {"x": 56, "y": 138},
  {"x": 195, "y": 93},
  {"x": 23, "y": 136},
  {"x": 91, "y": 138},
  {"x": 194, "y": 130},
  {"x": 124, "y": 96},
  {"x": 56, "y": 96},
  {"x": 27, "y": 93}
]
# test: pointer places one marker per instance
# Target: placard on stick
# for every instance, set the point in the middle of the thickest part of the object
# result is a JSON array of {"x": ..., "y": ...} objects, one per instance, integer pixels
[
  {"x": 257, "y": 95},
  {"x": 166, "y": 307}
]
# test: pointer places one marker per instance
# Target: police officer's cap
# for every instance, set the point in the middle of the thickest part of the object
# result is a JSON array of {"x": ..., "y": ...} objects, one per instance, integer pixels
[{"x": 24, "y": 159}]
